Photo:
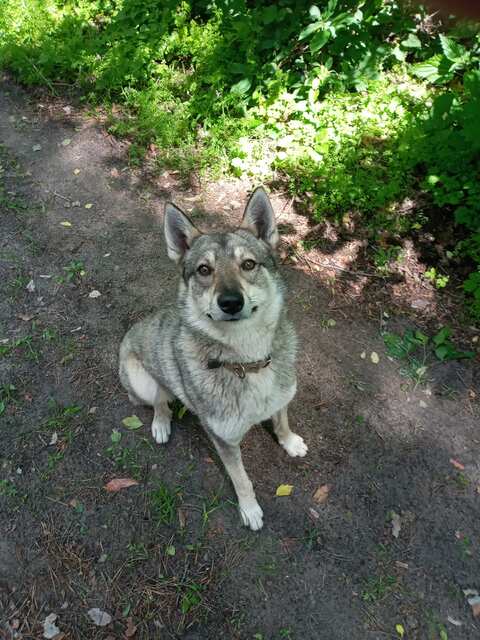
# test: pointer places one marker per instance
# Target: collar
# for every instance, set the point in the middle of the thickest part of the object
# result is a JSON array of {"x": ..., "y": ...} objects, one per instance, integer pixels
[{"x": 240, "y": 369}]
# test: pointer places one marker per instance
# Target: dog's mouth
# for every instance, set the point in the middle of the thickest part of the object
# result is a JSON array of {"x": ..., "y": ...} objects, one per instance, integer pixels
[{"x": 232, "y": 319}]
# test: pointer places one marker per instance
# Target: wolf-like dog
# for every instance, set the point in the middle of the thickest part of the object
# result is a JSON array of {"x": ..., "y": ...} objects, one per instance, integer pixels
[{"x": 226, "y": 350}]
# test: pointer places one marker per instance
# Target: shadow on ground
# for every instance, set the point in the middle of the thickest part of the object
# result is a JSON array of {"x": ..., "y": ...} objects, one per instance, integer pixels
[{"x": 169, "y": 556}]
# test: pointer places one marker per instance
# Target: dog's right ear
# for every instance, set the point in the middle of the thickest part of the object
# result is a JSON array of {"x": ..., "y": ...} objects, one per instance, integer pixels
[{"x": 179, "y": 231}]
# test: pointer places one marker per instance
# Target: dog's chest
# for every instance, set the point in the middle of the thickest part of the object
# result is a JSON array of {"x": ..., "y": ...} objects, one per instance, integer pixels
[{"x": 242, "y": 403}]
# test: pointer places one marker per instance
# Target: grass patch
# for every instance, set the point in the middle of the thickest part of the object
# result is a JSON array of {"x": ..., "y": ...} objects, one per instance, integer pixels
[{"x": 163, "y": 504}]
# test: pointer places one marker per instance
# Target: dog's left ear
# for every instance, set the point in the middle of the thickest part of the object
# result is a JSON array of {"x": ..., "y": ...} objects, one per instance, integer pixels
[{"x": 259, "y": 218}]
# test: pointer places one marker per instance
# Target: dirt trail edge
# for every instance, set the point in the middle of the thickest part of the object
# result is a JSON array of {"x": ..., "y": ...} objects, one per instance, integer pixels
[{"x": 381, "y": 534}]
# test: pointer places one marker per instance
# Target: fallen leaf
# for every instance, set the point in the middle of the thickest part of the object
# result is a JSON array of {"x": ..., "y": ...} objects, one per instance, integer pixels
[
  {"x": 76, "y": 171},
  {"x": 50, "y": 630},
  {"x": 94, "y": 294},
  {"x": 131, "y": 629},
  {"x": 66, "y": 223},
  {"x": 119, "y": 483},
  {"x": 396, "y": 524},
  {"x": 400, "y": 630},
  {"x": 453, "y": 621},
  {"x": 314, "y": 513},
  {"x": 457, "y": 464},
  {"x": 89, "y": 205},
  {"x": 170, "y": 550},
  {"x": 98, "y": 617},
  {"x": 321, "y": 494},
  {"x": 374, "y": 357},
  {"x": 132, "y": 423},
  {"x": 284, "y": 490},
  {"x": 30, "y": 286},
  {"x": 182, "y": 518},
  {"x": 66, "y": 142},
  {"x": 54, "y": 438},
  {"x": 37, "y": 147}
]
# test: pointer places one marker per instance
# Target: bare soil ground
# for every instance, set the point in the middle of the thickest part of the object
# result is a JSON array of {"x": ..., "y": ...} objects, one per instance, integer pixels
[{"x": 168, "y": 558}]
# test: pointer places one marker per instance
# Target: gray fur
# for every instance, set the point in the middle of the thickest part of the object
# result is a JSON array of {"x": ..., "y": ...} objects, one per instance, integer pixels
[{"x": 166, "y": 354}]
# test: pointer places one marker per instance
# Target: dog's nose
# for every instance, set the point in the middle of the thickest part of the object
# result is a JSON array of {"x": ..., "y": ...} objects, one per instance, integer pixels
[{"x": 230, "y": 302}]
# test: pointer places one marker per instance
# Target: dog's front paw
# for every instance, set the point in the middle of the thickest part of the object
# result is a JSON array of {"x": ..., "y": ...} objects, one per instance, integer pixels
[
  {"x": 294, "y": 445},
  {"x": 161, "y": 429},
  {"x": 251, "y": 514}
]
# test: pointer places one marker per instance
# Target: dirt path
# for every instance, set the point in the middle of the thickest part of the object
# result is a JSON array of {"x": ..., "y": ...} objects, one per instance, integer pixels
[{"x": 168, "y": 556}]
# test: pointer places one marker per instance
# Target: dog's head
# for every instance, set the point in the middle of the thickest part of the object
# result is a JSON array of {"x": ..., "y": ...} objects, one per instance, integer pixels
[{"x": 227, "y": 277}]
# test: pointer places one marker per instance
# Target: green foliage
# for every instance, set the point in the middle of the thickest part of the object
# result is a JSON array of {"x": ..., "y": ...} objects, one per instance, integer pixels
[{"x": 349, "y": 102}]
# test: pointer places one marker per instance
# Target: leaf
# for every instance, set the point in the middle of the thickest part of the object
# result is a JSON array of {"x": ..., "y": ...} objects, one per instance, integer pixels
[
  {"x": 411, "y": 42},
  {"x": 315, "y": 26},
  {"x": 170, "y": 550},
  {"x": 37, "y": 147},
  {"x": 89, "y": 205},
  {"x": 116, "y": 436},
  {"x": 50, "y": 630},
  {"x": 66, "y": 223},
  {"x": 442, "y": 336},
  {"x": 132, "y": 422},
  {"x": 76, "y": 171},
  {"x": 396, "y": 524},
  {"x": 442, "y": 352},
  {"x": 315, "y": 13},
  {"x": 457, "y": 464},
  {"x": 443, "y": 634},
  {"x": 451, "y": 49},
  {"x": 2, "y": 407},
  {"x": 131, "y": 629},
  {"x": 374, "y": 357},
  {"x": 119, "y": 483},
  {"x": 321, "y": 494},
  {"x": 284, "y": 490},
  {"x": 94, "y": 294},
  {"x": 319, "y": 40},
  {"x": 66, "y": 142},
  {"x": 428, "y": 70},
  {"x": 240, "y": 88},
  {"x": 181, "y": 412},
  {"x": 99, "y": 617},
  {"x": 400, "y": 630}
]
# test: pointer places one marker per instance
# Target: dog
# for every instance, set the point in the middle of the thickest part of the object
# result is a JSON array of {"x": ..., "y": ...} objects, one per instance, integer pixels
[{"x": 226, "y": 350}]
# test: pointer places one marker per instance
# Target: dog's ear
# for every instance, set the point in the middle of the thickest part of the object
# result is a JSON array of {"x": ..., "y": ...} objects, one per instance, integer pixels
[
  {"x": 179, "y": 231},
  {"x": 259, "y": 218}
]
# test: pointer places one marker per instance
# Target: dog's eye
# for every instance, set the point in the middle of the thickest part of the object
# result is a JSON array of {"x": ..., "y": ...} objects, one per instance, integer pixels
[
  {"x": 204, "y": 270},
  {"x": 248, "y": 265}
]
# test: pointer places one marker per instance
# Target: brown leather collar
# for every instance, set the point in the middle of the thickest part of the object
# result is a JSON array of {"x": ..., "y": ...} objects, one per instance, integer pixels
[{"x": 240, "y": 369}]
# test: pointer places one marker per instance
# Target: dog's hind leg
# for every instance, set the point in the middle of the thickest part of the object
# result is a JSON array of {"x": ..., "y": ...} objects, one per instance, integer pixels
[
  {"x": 143, "y": 389},
  {"x": 291, "y": 442},
  {"x": 250, "y": 511}
]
